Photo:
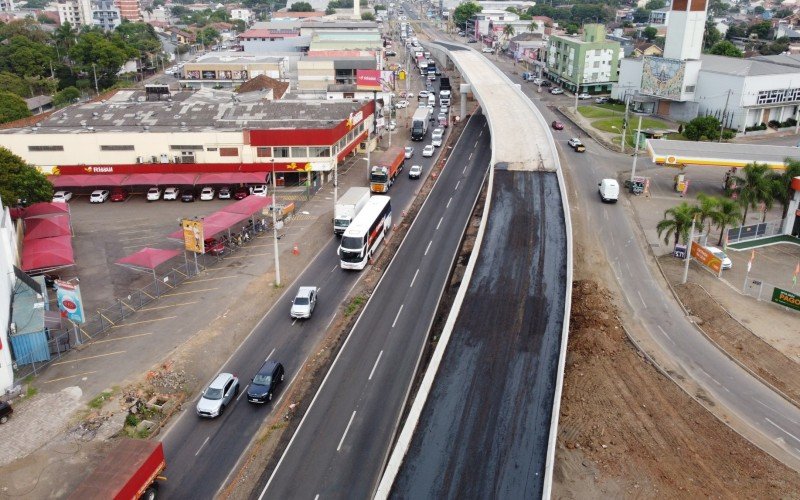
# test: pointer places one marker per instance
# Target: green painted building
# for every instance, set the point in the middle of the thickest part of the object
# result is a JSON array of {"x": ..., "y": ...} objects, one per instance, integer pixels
[{"x": 587, "y": 64}]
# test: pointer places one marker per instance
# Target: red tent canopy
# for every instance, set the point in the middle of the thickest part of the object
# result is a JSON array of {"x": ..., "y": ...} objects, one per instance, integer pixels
[
  {"x": 148, "y": 258},
  {"x": 45, "y": 209},
  {"x": 142, "y": 180},
  {"x": 232, "y": 178},
  {"x": 63, "y": 181},
  {"x": 249, "y": 205},
  {"x": 47, "y": 253},
  {"x": 46, "y": 227}
]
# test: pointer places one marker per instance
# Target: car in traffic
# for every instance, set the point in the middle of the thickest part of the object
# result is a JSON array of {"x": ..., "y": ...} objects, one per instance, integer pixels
[
  {"x": 187, "y": 195},
  {"x": 240, "y": 193},
  {"x": 207, "y": 194},
  {"x": 259, "y": 190},
  {"x": 487, "y": 50},
  {"x": 119, "y": 194},
  {"x": 722, "y": 256},
  {"x": 442, "y": 120},
  {"x": 171, "y": 193},
  {"x": 601, "y": 100},
  {"x": 219, "y": 394},
  {"x": 471, "y": 40},
  {"x": 154, "y": 194},
  {"x": 62, "y": 196},
  {"x": 557, "y": 125},
  {"x": 556, "y": 91},
  {"x": 304, "y": 302},
  {"x": 265, "y": 382},
  {"x": 576, "y": 144},
  {"x": 414, "y": 172},
  {"x": 584, "y": 96},
  {"x": 428, "y": 150},
  {"x": 409, "y": 152},
  {"x": 99, "y": 196},
  {"x": 390, "y": 53},
  {"x": 401, "y": 104},
  {"x": 423, "y": 94},
  {"x": 213, "y": 246},
  {"x": 224, "y": 193},
  {"x": 392, "y": 124}
]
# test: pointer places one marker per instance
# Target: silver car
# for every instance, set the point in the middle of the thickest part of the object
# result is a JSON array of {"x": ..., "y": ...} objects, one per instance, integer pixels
[
  {"x": 304, "y": 302},
  {"x": 218, "y": 395}
]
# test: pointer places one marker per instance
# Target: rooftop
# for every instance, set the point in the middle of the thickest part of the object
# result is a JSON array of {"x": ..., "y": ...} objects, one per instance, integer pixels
[
  {"x": 233, "y": 57},
  {"x": 754, "y": 66},
  {"x": 202, "y": 111}
]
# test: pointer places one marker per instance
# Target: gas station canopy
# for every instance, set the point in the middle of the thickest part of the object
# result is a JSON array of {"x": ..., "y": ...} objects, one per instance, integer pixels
[{"x": 719, "y": 154}]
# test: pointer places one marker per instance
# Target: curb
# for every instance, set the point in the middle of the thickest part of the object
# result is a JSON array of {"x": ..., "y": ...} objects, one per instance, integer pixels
[{"x": 599, "y": 140}]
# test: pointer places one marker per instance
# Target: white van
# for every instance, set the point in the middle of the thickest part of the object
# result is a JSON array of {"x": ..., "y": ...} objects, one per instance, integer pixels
[
  {"x": 609, "y": 190},
  {"x": 432, "y": 100}
]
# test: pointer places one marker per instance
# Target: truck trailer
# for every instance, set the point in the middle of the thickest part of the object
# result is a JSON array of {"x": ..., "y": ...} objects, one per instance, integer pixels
[
  {"x": 419, "y": 123},
  {"x": 386, "y": 168},
  {"x": 348, "y": 206},
  {"x": 128, "y": 472}
]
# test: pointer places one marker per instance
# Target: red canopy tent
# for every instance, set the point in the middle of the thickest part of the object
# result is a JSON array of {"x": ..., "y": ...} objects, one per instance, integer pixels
[
  {"x": 64, "y": 181},
  {"x": 47, "y": 253},
  {"x": 45, "y": 209},
  {"x": 152, "y": 179},
  {"x": 232, "y": 178},
  {"x": 148, "y": 258},
  {"x": 46, "y": 227},
  {"x": 249, "y": 205}
]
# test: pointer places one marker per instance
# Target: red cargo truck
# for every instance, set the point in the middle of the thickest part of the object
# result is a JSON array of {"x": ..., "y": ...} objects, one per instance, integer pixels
[
  {"x": 129, "y": 472},
  {"x": 385, "y": 169}
]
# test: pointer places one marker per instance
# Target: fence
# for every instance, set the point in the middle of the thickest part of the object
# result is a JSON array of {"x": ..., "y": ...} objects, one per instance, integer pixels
[
  {"x": 100, "y": 323},
  {"x": 753, "y": 231},
  {"x": 789, "y": 297}
]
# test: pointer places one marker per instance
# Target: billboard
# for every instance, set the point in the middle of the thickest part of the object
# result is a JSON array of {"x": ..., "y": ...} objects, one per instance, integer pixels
[
  {"x": 193, "y": 235},
  {"x": 703, "y": 256},
  {"x": 786, "y": 298},
  {"x": 663, "y": 77},
  {"x": 368, "y": 79},
  {"x": 69, "y": 301}
]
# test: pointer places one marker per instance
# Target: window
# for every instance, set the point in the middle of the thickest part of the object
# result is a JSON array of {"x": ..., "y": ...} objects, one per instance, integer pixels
[
  {"x": 319, "y": 151},
  {"x": 229, "y": 151},
  {"x": 263, "y": 152},
  {"x": 597, "y": 64},
  {"x": 186, "y": 148},
  {"x": 299, "y": 152},
  {"x": 117, "y": 148},
  {"x": 689, "y": 88},
  {"x": 45, "y": 148},
  {"x": 280, "y": 152}
]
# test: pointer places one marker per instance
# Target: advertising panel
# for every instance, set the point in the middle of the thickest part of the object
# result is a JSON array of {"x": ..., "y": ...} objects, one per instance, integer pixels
[
  {"x": 663, "y": 77},
  {"x": 703, "y": 256},
  {"x": 368, "y": 79},
  {"x": 193, "y": 235},
  {"x": 69, "y": 301},
  {"x": 786, "y": 298}
]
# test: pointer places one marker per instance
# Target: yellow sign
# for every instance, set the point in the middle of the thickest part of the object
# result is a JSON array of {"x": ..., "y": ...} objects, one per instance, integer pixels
[
  {"x": 193, "y": 235},
  {"x": 401, "y": 75}
]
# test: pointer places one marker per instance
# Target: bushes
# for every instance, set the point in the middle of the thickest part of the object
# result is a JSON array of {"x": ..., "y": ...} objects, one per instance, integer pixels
[{"x": 754, "y": 128}]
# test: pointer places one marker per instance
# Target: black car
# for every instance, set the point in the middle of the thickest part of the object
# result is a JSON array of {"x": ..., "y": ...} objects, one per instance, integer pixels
[
  {"x": 187, "y": 195},
  {"x": 546, "y": 83},
  {"x": 263, "y": 385},
  {"x": 5, "y": 411}
]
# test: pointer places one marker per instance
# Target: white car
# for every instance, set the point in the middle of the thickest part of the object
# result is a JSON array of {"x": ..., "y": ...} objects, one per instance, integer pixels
[
  {"x": 409, "y": 152},
  {"x": 726, "y": 261},
  {"x": 584, "y": 95},
  {"x": 153, "y": 194},
  {"x": 62, "y": 196},
  {"x": 392, "y": 125},
  {"x": 574, "y": 142},
  {"x": 436, "y": 140},
  {"x": 423, "y": 94},
  {"x": 414, "y": 172},
  {"x": 99, "y": 196},
  {"x": 487, "y": 50},
  {"x": 556, "y": 91},
  {"x": 171, "y": 193},
  {"x": 207, "y": 194},
  {"x": 259, "y": 190},
  {"x": 410, "y": 95},
  {"x": 218, "y": 395},
  {"x": 304, "y": 302},
  {"x": 428, "y": 150},
  {"x": 401, "y": 104}
]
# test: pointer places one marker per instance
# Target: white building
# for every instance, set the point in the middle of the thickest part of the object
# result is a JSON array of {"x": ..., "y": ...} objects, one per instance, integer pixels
[
  {"x": 659, "y": 18},
  {"x": 78, "y": 13},
  {"x": 158, "y": 14},
  {"x": 6, "y": 5},
  {"x": 8, "y": 259},
  {"x": 245, "y": 15},
  {"x": 105, "y": 14}
]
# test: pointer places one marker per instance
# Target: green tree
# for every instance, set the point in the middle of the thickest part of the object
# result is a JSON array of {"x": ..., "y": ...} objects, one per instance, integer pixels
[
  {"x": 583, "y": 13},
  {"x": 10, "y": 82},
  {"x": 736, "y": 31},
  {"x": 330, "y": 10},
  {"x": 301, "y": 7},
  {"x": 20, "y": 181},
  {"x": 727, "y": 213},
  {"x": 725, "y": 48},
  {"x": 533, "y": 26},
  {"x": 641, "y": 15},
  {"x": 367, "y": 16},
  {"x": 378, "y": 7},
  {"x": 655, "y": 4},
  {"x": 754, "y": 187},
  {"x": 782, "y": 184},
  {"x": 677, "y": 223},
  {"x": 761, "y": 29},
  {"x": 66, "y": 96},
  {"x": 571, "y": 28},
  {"x": 783, "y": 13},
  {"x": 25, "y": 57},
  {"x": 208, "y": 36},
  {"x": 93, "y": 53},
  {"x": 65, "y": 35},
  {"x": 702, "y": 127},
  {"x": 650, "y": 33},
  {"x": 27, "y": 28},
  {"x": 12, "y": 107},
  {"x": 711, "y": 36},
  {"x": 464, "y": 12},
  {"x": 508, "y": 31},
  {"x": 704, "y": 211},
  {"x": 758, "y": 10},
  {"x": 779, "y": 46}
]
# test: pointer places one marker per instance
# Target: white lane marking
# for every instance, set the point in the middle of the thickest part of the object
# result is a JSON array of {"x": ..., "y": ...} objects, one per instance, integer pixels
[
  {"x": 782, "y": 429},
  {"x": 469, "y": 158},
  {"x": 476, "y": 144},
  {"x": 294, "y": 321},
  {"x": 641, "y": 298},
  {"x": 316, "y": 497},
  {"x": 480, "y": 134},
  {"x": 334, "y": 268},
  {"x": 241, "y": 393},
  {"x": 413, "y": 279},
  {"x": 440, "y": 223},
  {"x": 428, "y": 247},
  {"x": 776, "y": 411},
  {"x": 270, "y": 355},
  {"x": 457, "y": 184},
  {"x": 330, "y": 322},
  {"x": 448, "y": 202},
  {"x": 201, "y": 446},
  {"x": 375, "y": 365},
  {"x": 398, "y": 315},
  {"x": 345, "y": 430},
  {"x": 465, "y": 170}
]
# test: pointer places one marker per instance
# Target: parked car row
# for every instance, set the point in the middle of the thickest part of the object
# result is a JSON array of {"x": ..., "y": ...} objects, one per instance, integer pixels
[{"x": 171, "y": 193}]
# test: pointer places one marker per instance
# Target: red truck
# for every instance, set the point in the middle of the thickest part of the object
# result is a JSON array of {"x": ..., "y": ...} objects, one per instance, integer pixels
[
  {"x": 385, "y": 169},
  {"x": 129, "y": 472}
]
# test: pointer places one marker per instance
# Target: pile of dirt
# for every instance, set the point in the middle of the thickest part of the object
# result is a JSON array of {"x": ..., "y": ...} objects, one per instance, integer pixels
[{"x": 626, "y": 429}]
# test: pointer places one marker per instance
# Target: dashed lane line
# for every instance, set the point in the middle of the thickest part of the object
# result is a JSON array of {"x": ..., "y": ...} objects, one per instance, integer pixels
[
  {"x": 68, "y": 376},
  {"x": 126, "y": 337},
  {"x": 345, "y": 430},
  {"x": 88, "y": 357}
]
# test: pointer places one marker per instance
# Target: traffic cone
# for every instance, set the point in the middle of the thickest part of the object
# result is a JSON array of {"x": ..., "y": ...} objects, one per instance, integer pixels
[{"x": 296, "y": 250}]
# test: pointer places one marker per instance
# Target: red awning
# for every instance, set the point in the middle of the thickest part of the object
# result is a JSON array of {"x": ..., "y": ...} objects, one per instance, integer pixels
[
  {"x": 233, "y": 178},
  {"x": 248, "y": 206},
  {"x": 47, "y": 253},
  {"x": 102, "y": 180},
  {"x": 45, "y": 209},
  {"x": 177, "y": 178},
  {"x": 148, "y": 258},
  {"x": 46, "y": 227},
  {"x": 143, "y": 180}
]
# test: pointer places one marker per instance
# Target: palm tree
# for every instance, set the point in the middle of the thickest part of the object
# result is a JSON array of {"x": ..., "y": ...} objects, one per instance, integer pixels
[
  {"x": 782, "y": 182},
  {"x": 508, "y": 31},
  {"x": 754, "y": 187},
  {"x": 533, "y": 26},
  {"x": 727, "y": 213},
  {"x": 677, "y": 223},
  {"x": 705, "y": 209}
]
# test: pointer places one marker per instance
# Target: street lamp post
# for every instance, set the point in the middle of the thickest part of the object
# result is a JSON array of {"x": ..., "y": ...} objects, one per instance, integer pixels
[
  {"x": 94, "y": 70},
  {"x": 636, "y": 148},
  {"x": 275, "y": 226}
]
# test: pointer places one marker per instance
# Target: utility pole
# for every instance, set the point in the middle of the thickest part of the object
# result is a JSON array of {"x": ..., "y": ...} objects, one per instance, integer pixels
[
  {"x": 636, "y": 148},
  {"x": 624, "y": 124},
  {"x": 96, "y": 88},
  {"x": 725, "y": 110},
  {"x": 688, "y": 254},
  {"x": 275, "y": 227}
]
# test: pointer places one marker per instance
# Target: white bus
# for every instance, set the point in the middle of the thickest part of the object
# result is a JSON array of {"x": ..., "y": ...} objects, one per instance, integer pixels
[{"x": 365, "y": 233}]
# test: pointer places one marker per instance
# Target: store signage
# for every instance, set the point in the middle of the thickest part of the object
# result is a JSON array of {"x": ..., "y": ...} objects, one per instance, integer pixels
[
  {"x": 69, "y": 301},
  {"x": 786, "y": 298},
  {"x": 703, "y": 256}
]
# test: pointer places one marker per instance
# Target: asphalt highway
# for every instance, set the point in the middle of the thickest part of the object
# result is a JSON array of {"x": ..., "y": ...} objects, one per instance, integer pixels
[
  {"x": 203, "y": 453},
  {"x": 341, "y": 445}
]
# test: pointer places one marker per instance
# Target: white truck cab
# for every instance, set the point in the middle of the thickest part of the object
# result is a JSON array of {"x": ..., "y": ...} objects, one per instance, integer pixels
[{"x": 609, "y": 190}]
